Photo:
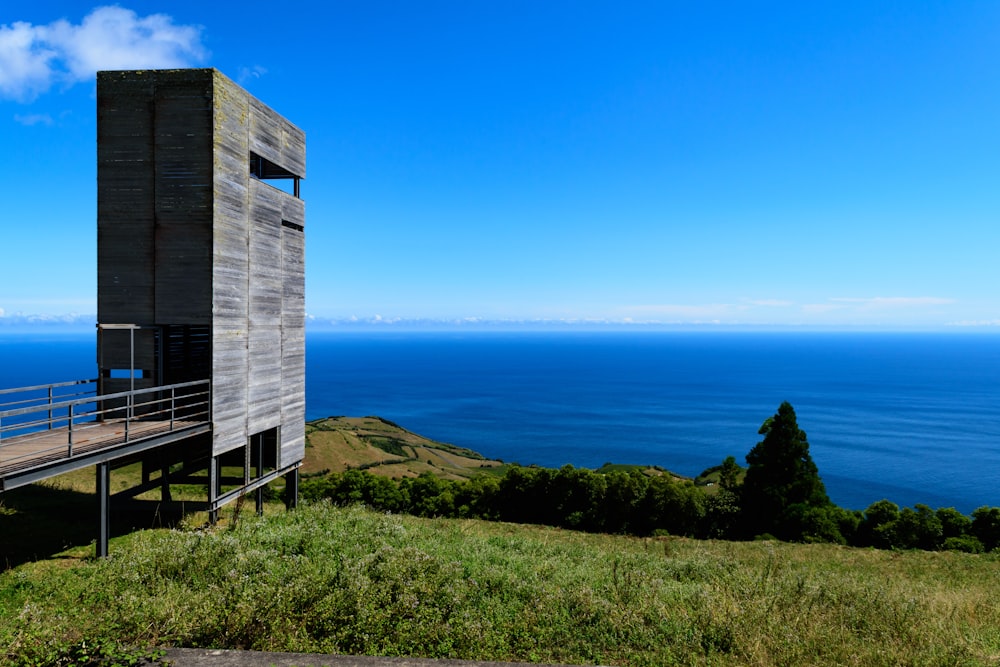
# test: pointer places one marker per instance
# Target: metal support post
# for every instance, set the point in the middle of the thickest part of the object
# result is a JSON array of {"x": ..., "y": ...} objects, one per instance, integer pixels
[
  {"x": 259, "y": 447},
  {"x": 213, "y": 490},
  {"x": 165, "y": 495},
  {"x": 247, "y": 458},
  {"x": 131, "y": 376},
  {"x": 292, "y": 489},
  {"x": 104, "y": 508}
]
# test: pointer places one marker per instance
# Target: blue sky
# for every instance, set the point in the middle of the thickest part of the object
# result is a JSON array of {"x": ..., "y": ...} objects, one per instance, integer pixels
[{"x": 767, "y": 163}]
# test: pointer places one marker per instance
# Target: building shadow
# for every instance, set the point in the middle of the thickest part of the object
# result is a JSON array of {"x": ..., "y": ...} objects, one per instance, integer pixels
[{"x": 39, "y": 522}]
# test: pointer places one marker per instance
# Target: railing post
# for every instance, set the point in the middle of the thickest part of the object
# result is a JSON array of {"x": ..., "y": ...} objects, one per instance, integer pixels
[
  {"x": 69, "y": 412},
  {"x": 128, "y": 413},
  {"x": 173, "y": 393},
  {"x": 48, "y": 426}
]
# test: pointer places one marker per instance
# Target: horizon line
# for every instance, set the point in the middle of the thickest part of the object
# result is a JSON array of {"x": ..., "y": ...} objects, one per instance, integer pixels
[{"x": 78, "y": 323}]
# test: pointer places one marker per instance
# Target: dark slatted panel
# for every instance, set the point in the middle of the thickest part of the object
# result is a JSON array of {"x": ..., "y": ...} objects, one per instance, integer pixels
[
  {"x": 125, "y": 277},
  {"x": 183, "y": 126},
  {"x": 183, "y": 180},
  {"x": 125, "y": 212},
  {"x": 187, "y": 353},
  {"x": 187, "y": 356},
  {"x": 183, "y": 273}
]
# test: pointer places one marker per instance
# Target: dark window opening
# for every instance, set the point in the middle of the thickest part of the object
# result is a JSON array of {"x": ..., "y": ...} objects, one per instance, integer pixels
[
  {"x": 292, "y": 225},
  {"x": 263, "y": 452},
  {"x": 265, "y": 170},
  {"x": 232, "y": 469},
  {"x": 186, "y": 353}
]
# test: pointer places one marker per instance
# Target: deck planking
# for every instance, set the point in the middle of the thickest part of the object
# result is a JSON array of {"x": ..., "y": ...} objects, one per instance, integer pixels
[{"x": 32, "y": 450}]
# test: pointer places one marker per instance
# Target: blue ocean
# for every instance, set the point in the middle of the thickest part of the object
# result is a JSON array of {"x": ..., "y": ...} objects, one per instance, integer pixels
[{"x": 914, "y": 418}]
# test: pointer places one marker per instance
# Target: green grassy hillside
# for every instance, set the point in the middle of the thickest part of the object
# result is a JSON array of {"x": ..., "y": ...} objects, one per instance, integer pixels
[
  {"x": 336, "y": 444},
  {"x": 43, "y": 519},
  {"x": 324, "y": 579},
  {"x": 355, "y": 581}
]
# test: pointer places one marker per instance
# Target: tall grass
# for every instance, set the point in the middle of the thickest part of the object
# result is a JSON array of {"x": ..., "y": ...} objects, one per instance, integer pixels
[{"x": 322, "y": 579}]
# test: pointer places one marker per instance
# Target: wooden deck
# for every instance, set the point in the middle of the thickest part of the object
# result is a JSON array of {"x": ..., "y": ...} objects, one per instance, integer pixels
[
  {"x": 44, "y": 437},
  {"x": 43, "y": 447}
]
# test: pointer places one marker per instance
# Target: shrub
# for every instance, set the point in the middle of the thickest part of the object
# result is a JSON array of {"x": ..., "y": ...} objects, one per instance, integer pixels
[
  {"x": 966, "y": 543},
  {"x": 986, "y": 526}
]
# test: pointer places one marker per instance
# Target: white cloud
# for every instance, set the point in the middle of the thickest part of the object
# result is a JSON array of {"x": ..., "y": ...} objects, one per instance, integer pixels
[
  {"x": 773, "y": 303},
  {"x": 975, "y": 323},
  {"x": 25, "y": 62},
  {"x": 34, "y": 58},
  {"x": 18, "y": 319},
  {"x": 33, "y": 119},
  {"x": 814, "y": 308},
  {"x": 687, "y": 312},
  {"x": 894, "y": 301},
  {"x": 833, "y": 311}
]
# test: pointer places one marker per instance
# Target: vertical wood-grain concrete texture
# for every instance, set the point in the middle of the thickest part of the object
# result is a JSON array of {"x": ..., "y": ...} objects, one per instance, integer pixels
[{"x": 199, "y": 254}]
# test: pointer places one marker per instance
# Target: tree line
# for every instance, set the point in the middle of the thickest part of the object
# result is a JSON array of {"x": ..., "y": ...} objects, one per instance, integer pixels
[{"x": 778, "y": 495}]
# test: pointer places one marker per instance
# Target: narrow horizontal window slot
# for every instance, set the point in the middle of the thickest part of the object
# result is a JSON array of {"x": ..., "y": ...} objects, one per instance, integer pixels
[{"x": 124, "y": 373}]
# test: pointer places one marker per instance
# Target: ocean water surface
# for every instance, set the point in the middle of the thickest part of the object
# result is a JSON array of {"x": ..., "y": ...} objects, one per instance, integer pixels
[{"x": 909, "y": 417}]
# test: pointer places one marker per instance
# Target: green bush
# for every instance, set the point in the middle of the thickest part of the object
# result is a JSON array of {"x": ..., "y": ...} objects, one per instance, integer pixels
[{"x": 965, "y": 543}]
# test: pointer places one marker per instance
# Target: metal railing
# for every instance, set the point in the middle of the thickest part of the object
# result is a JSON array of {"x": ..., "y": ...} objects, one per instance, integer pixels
[
  {"x": 46, "y": 394},
  {"x": 48, "y": 427}
]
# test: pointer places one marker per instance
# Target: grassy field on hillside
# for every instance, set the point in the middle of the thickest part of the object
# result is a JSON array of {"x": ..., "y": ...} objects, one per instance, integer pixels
[
  {"x": 323, "y": 579},
  {"x": 336, "y": 444},
  {"x": 43, "y": 519}
]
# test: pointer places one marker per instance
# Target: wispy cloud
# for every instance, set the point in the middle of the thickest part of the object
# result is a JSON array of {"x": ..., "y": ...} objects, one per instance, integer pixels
[
  {"x": 975, "y": 323},
  {"x": 770, "y": 303},
  {"x": 33, "y": 119},
  {"x": 708, "y": 312},
  {"x": 820, "y": 308},
  {"x": 8, "y": 320},
  {"x": 893, "y": 301},
  {"x": 34, "y": 58},
  {"x": 247, "y": 74},
  {"x": 847, "y": 311}
]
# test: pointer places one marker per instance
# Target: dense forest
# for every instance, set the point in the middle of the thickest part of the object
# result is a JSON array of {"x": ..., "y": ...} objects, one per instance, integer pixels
[{"x": 779, "y": 494}]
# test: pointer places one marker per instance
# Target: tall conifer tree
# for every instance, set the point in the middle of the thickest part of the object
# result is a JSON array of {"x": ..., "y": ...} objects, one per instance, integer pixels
[{"x": 781, "y": 481}]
